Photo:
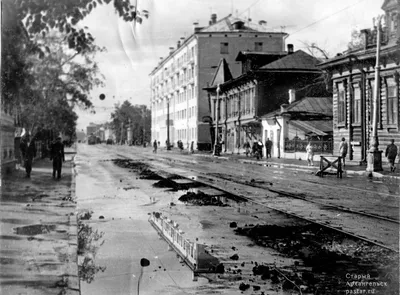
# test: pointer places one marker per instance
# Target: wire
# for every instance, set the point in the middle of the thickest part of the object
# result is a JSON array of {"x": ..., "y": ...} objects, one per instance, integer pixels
[
  {"x": 251, "y": 5},
  {"x": 326, "y": 17}
]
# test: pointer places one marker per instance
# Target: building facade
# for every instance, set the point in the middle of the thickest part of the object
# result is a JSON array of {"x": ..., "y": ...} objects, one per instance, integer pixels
[
  {"x": 262, "y": 88},
  {"x": 178, "y": 80},
  {"x": 353, "y": 78},
  {"x": 290, "y": 127}
]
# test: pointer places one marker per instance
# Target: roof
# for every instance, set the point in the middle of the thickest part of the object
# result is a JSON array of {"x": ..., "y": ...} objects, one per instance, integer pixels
[
  {"x": 226, "y": 25},
  {"x": 317, "y": 127},
  {"x": 298, "y": 60},
  {"x": 318, "y": 105},
  {"x": 307, "y": 109},
  {"x": 242, "y": 54},
  {"x": 222, "y": 74}
]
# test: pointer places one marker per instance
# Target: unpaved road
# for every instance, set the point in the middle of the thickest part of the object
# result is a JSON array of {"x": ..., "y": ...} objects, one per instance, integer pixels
[{"x": 124, "y": 201}]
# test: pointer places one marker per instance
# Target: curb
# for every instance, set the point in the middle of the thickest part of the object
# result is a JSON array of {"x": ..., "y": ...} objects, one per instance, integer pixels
[
  {"x": 74, "y": 287},
  {"x": 348, "y": 172}
]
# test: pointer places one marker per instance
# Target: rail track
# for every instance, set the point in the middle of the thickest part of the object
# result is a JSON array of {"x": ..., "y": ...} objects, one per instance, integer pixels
[{"x": 382, "y": 231}]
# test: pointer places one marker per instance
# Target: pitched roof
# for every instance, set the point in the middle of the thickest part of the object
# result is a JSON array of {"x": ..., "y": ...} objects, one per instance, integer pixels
[
  {"x": 307, "y": 108},
  {"x": 316, "y": 105},
  {"x": 316, "y": 127},
  {"x": 298, "y": 60},
  {"x": 222, "y": 74}
]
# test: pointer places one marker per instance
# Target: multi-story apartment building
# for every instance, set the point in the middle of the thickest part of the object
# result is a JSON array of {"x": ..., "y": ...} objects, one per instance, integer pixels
[{"x": 178, "y": 80}]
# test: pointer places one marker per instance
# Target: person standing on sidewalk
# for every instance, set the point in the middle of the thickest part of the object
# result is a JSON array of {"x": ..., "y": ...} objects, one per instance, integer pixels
[
  {"x": 28, "y": 151},
  {"x": 343, "y": 147},
  {"x": 391, "y": 154},
  {"x": 57, "y": 155},
  {"x": 268, "y": 147},
  {"x": 310, "y": 154},
  {"x": 155, "y": 146},
  {"x": 192, "y": 147},
  {"x": 247, "y": 148}
]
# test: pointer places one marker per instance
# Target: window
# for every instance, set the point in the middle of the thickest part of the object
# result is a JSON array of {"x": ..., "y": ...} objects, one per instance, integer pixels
[
  {"x": 341, "y": 107},
  {"x": 356, "y": 105},
  {"x": 258, "y": 46},
  {"x": 392, "y": 106},
  {"x": 224, "y": 48}
]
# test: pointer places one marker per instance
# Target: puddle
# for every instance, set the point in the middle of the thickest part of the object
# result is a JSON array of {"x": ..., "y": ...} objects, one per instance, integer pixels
[{"x": 37, "y": 229}]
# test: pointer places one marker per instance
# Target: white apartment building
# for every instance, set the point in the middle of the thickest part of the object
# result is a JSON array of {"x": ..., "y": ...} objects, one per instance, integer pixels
[{"x": 178, "y": 80}]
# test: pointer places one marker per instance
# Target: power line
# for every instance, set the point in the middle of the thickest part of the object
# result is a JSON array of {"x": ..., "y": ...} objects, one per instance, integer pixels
[
  {"x": 251, "y": 5},
  {"x": 326, "y": 17}
]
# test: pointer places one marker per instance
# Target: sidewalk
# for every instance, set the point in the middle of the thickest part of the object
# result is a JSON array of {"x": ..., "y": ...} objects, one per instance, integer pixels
[
  {"x": 38, "y": 242},
  {"x": 351, "y": 168}
]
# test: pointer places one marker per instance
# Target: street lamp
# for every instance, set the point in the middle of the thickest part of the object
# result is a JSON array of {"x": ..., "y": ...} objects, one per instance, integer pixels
[
  {"x": 216, "y": 143},
  {"x": 374, "y": 161},
  {"x": 168, "y": 145},
  {"x": 143, "y": 263}
]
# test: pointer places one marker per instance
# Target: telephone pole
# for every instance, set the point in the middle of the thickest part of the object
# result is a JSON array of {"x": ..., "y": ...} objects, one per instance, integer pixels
[{"x": 374, "y": 160}]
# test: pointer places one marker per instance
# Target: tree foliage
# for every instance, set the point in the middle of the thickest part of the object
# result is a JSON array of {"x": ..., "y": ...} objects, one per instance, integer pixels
[
  {"x": 62, "y": 79},
  {"x": 139, "y": 116},
  {"x": 47, "y": 59},
  {"x": 42, "y": 16}
]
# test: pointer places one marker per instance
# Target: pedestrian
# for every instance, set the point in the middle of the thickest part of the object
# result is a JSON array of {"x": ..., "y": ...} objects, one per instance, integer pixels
[
  {"x": 28, "y": 151},
  {"x": 391, "y": 154},
  {"x": 58, "y": 157},
  {"x": 343, "y": 147},
  {"x": 268, "y": 147},
  {"x": 310, "y": 154},
  {"x": 180, "y": 145},
  {"x": 260, "y": 147},
  {"x": 192, "y": 147},
  {"x": 247, "y": 148},
  {"x": 155, "y": 146}
]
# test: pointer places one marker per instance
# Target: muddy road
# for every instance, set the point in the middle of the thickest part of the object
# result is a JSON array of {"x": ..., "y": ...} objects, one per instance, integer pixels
[{"x": 263, "y": 251}]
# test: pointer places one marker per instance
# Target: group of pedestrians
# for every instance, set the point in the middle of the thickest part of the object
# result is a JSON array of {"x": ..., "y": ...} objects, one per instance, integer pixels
[
  {"x": 256, "y": 150},
  {"x": 28, "y": 152},
  {"x": 179, "y": 143}
]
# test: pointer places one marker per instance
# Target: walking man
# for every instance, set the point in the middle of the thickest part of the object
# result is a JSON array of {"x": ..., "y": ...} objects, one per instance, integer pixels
[
  {"x": 343, "y": 147},
  {"x": 391, "y": 154},
  {"x": 155, "y": 146},
  {"x": 268, "y": 147},
  {"x": 247, "y": 148},
  {"x": 57, "y": 155},
  {"x": 28, "y": 151}
]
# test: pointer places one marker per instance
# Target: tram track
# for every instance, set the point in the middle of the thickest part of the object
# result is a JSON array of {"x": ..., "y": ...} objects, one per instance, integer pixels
[{"x": 345, "y": 221}]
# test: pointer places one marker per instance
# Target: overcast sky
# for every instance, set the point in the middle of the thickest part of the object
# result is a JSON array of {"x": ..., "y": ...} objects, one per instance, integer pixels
[{"x": 134, "y": 50}]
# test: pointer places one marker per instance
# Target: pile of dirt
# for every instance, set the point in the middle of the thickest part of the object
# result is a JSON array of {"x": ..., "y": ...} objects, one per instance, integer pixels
[
  {"x": 201, "y": 199},
  {"x": 137, "y": 167},
  {"x": 326, "y": 257}
]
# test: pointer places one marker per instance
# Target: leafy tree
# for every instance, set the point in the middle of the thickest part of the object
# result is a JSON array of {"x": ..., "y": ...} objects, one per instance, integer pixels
[
  {"x": 139, "y": 116},
  {"x": 63, "y": 78},
  {"x": 41, "y": 16},
  {"x": 41, "y": 70}
]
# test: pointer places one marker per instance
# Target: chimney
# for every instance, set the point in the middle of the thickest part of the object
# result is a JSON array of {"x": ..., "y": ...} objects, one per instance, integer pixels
[
  {"x": 284, "y": 108},
  {"x": 213, "y": 18},
  {"x": 196, "y": 27},
  {"x": 292, "y": 96},
  {"x": 262, "y": 23},
  {"x": 178, "y": 44},
  {"x": 171, "y": 50},
  {"x": 290, "y": 48}
]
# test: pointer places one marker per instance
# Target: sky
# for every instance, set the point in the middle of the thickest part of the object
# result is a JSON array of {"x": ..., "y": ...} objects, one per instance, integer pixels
[{"x": 133, "y": 50}]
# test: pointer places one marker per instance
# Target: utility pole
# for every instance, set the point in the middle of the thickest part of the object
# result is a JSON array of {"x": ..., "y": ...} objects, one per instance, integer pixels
[
  {"x": 144, "y": 124},
  {"x": 168, "y": 145},
  {"x": 374, "y": 161},
  {"x": 216, "y": 143}
]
